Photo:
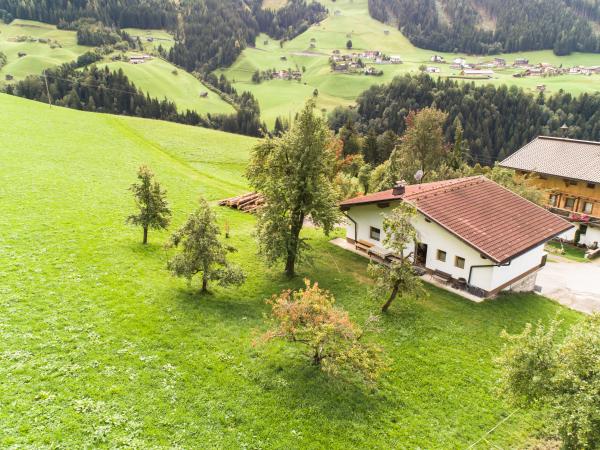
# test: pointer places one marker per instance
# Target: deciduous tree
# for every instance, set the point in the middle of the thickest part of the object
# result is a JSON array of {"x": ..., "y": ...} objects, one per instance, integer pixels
[
  {"x": 399, "y": 278},
  {"x": 422, "y": 146},
  {"x": 336, "y": 345},
  {"x": 202, "y": 252},
  {"x": 295, "y": 174},
  {"x": 564, "y": 376},
  {"x": 151, "y": 201}
]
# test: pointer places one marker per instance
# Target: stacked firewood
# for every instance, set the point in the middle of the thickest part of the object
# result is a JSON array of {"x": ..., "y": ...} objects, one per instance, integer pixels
[{"x": 247, "y": 202}]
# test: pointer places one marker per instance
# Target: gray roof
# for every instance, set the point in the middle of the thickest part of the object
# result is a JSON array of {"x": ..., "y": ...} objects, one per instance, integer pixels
[{"x": 567, "y": 158}]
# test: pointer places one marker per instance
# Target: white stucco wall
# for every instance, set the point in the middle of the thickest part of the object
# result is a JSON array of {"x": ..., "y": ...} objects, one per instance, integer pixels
[
  {"x": 518, "y": 265},
  {"x": 437, "y": 238},
  {"x": 591, "y": 236}
]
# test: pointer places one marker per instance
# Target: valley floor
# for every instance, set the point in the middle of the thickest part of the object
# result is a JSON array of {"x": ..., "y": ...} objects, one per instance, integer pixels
[{"x": 101, "y": 347}]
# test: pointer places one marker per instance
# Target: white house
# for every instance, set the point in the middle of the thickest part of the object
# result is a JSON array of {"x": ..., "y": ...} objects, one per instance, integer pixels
[
  {"x": 471, "y": 231},
  {"x": 433, "y": 69}
]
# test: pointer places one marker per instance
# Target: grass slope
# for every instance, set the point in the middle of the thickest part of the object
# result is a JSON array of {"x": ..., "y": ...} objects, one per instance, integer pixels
[
  {"x": 39, "y": 55},
  {"x": 157, "y": 38},
  {"x": 101, "y": 347},
  {"x": 281, "y": 98},
  {"x": 157, "y": 78}
]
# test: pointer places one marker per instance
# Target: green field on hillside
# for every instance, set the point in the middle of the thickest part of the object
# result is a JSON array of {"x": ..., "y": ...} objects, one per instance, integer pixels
[
  {"x": 39, "y": 55},
  {"x": 101, "y": 347},
  {"x": 157, "y": 77},
  {"x": 152, "y": 39},
  {"x": 352, "y": 21}
]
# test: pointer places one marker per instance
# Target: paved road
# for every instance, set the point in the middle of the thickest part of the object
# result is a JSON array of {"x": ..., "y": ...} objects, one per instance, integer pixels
[{"x": 576, "y": 285}]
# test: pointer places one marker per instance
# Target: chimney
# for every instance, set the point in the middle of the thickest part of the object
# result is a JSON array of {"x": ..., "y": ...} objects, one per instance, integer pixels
[{"x": 399, "y": 188}]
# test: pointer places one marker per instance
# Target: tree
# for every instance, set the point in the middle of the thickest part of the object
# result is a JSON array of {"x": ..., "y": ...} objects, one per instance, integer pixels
[
  {"x": 564, "y": 376},
  {"x": 364, "y": 177},
  {"x": 309, "y": 317},
  {"x": 521, "y": 185},
  {"x": 398, "y": 278},
  {"x": 151, "y": 201},
  {"x": 349, "y": 44},
  {"x": 202, "y": 252},
  {"x": 456, "y": 158},
  {"x": 422, "y": 146},
  {"x": 295, "y": 174}
]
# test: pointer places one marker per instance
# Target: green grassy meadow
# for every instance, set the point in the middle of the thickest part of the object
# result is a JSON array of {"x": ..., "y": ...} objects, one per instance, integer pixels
[
  {"x": 159, "y": 38},
  {"x": 101, "y": 347},
  {"x": 157, "y": 78},
  {"x": 39, "y": 55},
  {"x": 281, "y": 98}
]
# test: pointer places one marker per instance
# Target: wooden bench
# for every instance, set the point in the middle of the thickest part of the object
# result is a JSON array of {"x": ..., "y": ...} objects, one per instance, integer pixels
[
  {"x": 363, "y": 245},
  {"x": 442, "y": 276}
]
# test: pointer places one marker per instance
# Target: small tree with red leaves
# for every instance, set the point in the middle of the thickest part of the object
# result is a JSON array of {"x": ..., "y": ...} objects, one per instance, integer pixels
[{"x": 308, "y": 317}]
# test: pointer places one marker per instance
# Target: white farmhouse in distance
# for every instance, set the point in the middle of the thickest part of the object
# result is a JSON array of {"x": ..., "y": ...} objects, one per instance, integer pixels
[{"x": 472, "y": 232}]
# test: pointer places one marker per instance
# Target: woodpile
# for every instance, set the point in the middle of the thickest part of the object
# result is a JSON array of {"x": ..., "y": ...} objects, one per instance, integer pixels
[{"x": 247, "y": 203}]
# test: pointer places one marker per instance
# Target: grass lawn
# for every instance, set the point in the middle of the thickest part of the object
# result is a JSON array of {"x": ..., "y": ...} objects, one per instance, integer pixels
[
  {"x": 102, "y": 347},
  {"x": 279, "y": 98},
  {"x": 157, "y": 78},
  {"x": 567, "y": 251},
  {"x": 39, "y": 55}
]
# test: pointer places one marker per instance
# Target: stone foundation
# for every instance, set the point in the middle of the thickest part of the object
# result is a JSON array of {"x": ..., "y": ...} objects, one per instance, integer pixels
[{"x": 525, "y": 284}]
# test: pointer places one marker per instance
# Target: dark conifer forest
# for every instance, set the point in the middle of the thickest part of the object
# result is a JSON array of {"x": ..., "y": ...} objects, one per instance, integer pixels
[
  {"x": 494, "y": 26},
  {"x": 496, "y": 120}
]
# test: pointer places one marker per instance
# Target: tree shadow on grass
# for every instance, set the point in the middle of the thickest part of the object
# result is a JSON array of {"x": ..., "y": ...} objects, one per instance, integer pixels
[
  {"x": 302, "y": 385},
  {"x": 217, "y": 304}
]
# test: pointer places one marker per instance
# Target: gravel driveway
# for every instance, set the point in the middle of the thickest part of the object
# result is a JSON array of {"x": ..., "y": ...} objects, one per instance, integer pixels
[{"x": 575, "y": 285}]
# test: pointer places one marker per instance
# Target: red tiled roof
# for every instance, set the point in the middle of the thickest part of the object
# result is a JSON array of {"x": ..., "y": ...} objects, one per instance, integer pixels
[
  {"x": 387, "y": 196},
  {"x": 493, "y": 220}
]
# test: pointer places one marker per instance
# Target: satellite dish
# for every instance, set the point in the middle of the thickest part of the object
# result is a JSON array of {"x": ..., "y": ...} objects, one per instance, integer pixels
[{"x": 419, "y": 175}]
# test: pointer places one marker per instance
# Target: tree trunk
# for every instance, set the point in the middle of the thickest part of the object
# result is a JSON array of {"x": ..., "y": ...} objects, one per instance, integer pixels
[
  {"x": 317, "y": 358},
  {"x": 145, "y": 241},
  {"x": 292, "y": 252},
  {"x": 391, "y": 299},
  {"x": 204, "y": 283}
]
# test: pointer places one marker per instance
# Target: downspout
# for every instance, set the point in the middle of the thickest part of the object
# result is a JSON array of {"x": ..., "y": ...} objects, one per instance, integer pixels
[{"x": 355, "y": 225}]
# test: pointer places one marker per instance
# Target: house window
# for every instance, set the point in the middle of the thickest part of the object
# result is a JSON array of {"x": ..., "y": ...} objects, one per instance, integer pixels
[
  {"x": 375, "y": 234},
  {"x": 591, "y": 186},
  {"x": 459, "y": 262},
  {"x": 553, "y": 199},
  {"x": 588, "y": 207},
  {"x": 570, "y": 182},
  {"x": 441, "y": 255},
  {"x": 569, "y": 203},
  {"x": 542, "y": 177}
]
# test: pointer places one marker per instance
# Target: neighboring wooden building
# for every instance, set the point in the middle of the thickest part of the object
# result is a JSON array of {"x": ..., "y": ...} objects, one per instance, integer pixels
[
  {"x": 569, "y": 170},
  {"x": 471, "y": 231}
]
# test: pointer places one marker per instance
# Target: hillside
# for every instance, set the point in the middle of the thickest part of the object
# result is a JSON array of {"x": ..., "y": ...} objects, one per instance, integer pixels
[
  {"x": 102, "y": 347},
  {"x": 161, "y": 79},
  {"x": 349, "y": 20},
  {"x": 22, "y": 36},
  {"x": 495, "y": 26}
]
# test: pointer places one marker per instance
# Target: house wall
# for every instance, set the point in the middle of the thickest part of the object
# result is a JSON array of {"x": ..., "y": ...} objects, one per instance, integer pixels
[
  {"x": 521, "y": 264},
  {"x": 438, "y": 238},
  {"x": 579, "y": 191},
  {"x": 591, "y": 236}
]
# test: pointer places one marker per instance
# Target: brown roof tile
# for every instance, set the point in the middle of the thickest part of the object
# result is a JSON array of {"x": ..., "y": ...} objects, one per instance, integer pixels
[
  {"x": 568, "y": 158},
  {"x": 488, "y": 217}
]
